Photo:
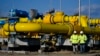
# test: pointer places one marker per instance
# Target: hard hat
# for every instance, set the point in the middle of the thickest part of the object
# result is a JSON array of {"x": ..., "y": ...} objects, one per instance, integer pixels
[
  {"x": 81, "y": 32},
  {"x": 74, "y": 32}
]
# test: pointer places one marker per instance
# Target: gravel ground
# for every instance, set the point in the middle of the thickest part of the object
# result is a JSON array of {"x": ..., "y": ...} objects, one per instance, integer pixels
[{"x": 60, "y": 53}]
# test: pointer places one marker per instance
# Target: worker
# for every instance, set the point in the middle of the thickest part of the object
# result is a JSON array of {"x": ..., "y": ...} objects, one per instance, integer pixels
[
  {"x": 74, "y": 40},
  {"x": 82, "y": 41}
]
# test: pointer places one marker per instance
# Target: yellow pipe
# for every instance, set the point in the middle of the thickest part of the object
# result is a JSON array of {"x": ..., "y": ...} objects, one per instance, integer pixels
[
  {"x": 84, "y": 21},
  {"x": 39, "y": 20},
  {"x": 48, "y": 28},
  {"x": 34, "y": 27},
  {"x": 3, "y": 33},
  {"x": 47, "y": 18},
  {"x": 59, "y": 17},
  {"x": 23, "y": 20},
  {"x": 56, "y": 18},
  {"x": 88, "y": 30},
  {"x": 22, "y": 27},
  {"x": 94, "y": 21}
]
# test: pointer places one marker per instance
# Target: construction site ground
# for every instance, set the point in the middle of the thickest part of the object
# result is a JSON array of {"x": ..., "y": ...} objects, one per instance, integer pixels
[{"x": 59, "y": 53}]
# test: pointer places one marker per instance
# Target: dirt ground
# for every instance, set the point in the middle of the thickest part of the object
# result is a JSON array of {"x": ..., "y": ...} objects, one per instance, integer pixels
[{"x": 60, "y": 53}]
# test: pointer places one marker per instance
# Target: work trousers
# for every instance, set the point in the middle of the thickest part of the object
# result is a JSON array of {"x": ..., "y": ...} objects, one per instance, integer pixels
[
  {"x": 75, "y": 48},
  {"x": 82, "y": 48}
]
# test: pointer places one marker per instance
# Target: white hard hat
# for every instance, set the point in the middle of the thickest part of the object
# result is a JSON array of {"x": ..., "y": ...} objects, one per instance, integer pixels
[
  {"x": 81, "y": 32},
  {"x": 74, "y": 32}
]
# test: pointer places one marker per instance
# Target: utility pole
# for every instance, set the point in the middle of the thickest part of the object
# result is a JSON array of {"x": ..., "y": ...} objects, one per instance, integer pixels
[
  {"x": 79, "y": 11},
  {"x": 89, "y": 13},
  {"x": 60, "y": 5}
]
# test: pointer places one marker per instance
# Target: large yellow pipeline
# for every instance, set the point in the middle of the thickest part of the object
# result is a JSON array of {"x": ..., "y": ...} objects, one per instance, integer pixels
[
  {"x": 35, "y": 27},
  {"x": 48, "y": 27},
  {"x": 94, "y": 21},
  {"x": 92, "y": 31},
  {"x": 59, "y": 17}
]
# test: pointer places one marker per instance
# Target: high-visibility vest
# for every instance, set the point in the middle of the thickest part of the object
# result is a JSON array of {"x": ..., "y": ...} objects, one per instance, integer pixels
[
  {"x": 74, "y": 39},
  {"x": 82, "y": 39}
]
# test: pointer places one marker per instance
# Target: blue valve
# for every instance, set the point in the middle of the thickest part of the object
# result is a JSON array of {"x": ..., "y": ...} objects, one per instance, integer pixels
[{"x": 17, "y": 13}]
